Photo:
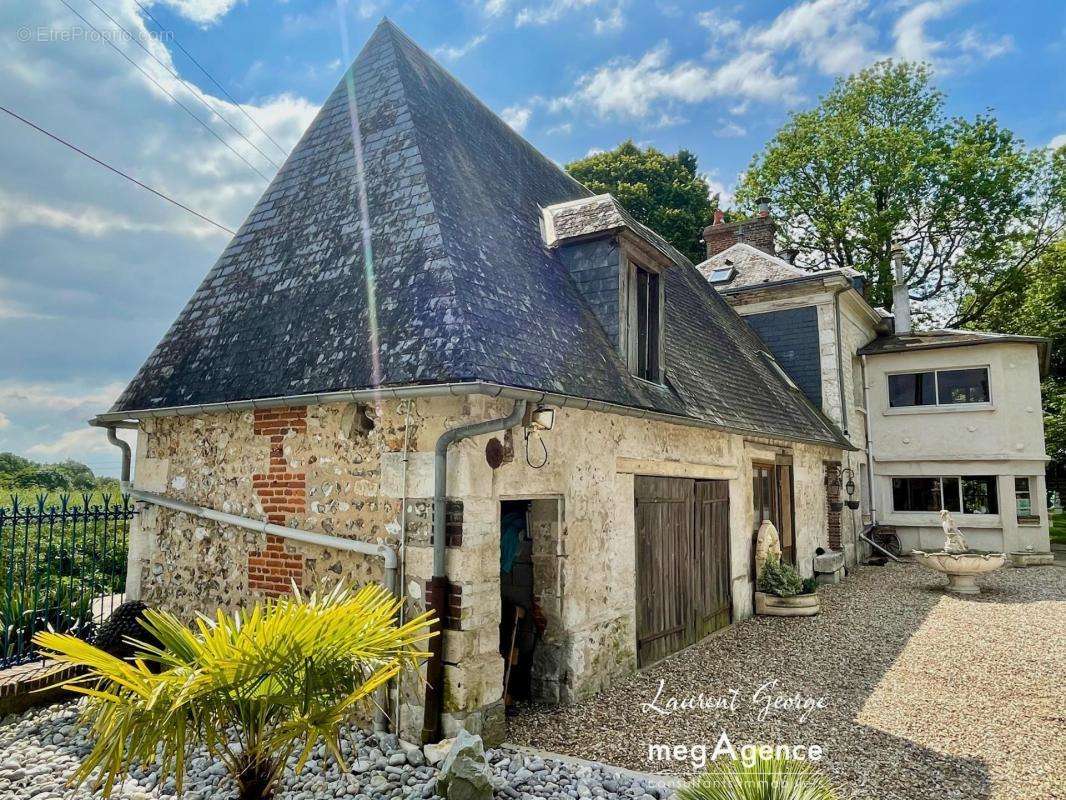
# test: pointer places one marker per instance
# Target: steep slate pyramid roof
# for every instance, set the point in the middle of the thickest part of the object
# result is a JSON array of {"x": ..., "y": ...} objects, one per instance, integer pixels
[{"x": 466, "y": 289}]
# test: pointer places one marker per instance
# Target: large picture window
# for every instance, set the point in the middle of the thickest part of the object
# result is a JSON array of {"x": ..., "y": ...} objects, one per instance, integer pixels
[
  {"x": 944, "y": 387},
  {"x": 970, "y": 494}
]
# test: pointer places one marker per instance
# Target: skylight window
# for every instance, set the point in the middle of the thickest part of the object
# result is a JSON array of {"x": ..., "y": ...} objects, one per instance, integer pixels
[{"x": 722, "y": 274}]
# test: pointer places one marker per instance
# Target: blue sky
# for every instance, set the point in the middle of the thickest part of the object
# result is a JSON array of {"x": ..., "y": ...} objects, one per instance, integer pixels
[{"x": 94, "y": 269}]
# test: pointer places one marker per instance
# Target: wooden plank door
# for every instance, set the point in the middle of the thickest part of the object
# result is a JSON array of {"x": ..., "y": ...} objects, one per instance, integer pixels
[
  {"x": 683, "y": 586},
  {"x": 712, "y": 590},
  {"x": 664, "y": 565}
]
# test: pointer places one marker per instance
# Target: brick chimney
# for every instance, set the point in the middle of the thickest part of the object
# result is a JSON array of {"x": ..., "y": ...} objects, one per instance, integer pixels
[{"x": 758, "y": 232}]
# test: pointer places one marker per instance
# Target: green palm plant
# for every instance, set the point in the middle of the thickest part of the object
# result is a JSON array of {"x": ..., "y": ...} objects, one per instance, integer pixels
[
  {"x": 253, "y": 687},
  {"x": 775, "y": 778}
]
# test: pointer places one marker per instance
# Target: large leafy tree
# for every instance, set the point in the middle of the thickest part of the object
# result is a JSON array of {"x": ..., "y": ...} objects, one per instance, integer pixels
[
  {"x": 664, "y": 192},
  {"x": 878, "y": 162}
]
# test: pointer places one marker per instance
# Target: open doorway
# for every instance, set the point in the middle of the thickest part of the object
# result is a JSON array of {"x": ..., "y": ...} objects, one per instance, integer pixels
[{"x": 530, "y": 599}]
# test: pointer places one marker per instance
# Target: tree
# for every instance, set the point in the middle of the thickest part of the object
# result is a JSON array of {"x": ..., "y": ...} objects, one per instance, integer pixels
[
  {"x": 877, "y": 162},
  {"x": 278, "y": 679},
  {"x": 664, "y": 192}
]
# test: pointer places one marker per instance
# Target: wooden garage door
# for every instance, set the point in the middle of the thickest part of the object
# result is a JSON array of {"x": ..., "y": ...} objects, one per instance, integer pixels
[{"x": 683, "y": 594}]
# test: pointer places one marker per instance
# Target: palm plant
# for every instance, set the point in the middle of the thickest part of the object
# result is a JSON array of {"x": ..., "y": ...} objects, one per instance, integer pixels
[
  {"x": 775, "y": 778},
  {"x": 253, "y": 688}
]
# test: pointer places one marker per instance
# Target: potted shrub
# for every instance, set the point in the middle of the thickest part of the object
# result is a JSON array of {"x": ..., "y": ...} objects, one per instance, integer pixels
[
  {"x": 852, "y": 504},
  {"x": 836, "y": 505},
  {"x": 781, "y": 592}
]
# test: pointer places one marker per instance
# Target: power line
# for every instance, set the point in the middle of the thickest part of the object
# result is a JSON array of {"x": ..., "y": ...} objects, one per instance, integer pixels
[
  {"x": 117, "y": 171},
  {"x": 161, "y": 88},
  {"x": 211, "y": 77},
  {"x": 195, "y": 92}
]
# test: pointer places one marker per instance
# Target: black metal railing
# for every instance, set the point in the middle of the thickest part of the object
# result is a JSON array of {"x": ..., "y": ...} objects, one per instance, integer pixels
[{"x": 62, "y": 567}]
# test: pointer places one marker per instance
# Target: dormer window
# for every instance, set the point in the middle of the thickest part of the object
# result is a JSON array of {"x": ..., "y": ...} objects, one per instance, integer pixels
[{"x": 646, "y": 330}]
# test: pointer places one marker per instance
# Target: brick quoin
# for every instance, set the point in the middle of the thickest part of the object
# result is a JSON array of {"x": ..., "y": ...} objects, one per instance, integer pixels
[
  {"x": 282, "y": 492},
  {"x": 832, "y": 495}
]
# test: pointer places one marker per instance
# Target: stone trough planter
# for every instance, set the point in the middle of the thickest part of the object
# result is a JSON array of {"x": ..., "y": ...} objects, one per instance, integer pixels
[{"x": 800, "y": 605}]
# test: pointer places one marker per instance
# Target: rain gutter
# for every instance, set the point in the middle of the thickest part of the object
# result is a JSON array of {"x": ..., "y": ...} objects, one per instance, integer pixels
[{"x": 494, "y": 390}]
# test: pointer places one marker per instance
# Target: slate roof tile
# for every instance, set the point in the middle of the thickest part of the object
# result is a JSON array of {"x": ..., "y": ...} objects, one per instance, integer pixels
[{"x": 466, "y": 288}]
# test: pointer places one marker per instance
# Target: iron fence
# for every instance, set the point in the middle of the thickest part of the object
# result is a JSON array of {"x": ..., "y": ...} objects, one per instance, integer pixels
[{"x": 62, "y": 567}]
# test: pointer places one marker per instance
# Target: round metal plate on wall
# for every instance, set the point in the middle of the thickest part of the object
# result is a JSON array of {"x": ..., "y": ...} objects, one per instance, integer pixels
[{"x": 494, "y": 453}]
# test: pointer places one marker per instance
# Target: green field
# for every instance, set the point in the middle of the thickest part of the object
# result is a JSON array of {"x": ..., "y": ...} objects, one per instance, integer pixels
[{"x": 1058, "y": 528}]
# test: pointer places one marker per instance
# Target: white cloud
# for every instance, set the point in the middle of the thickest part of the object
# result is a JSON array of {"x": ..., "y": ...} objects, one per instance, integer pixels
[
  {"x": 204, "y": 12},
  {"x": 494, "y": 8},
  {"x": 828, "y": 34},
  {"x": 517, "y": 117},
  {"x": 550, "y": 12},
  {"x": 56, "y": 397},
  {"x": 560, "y": 130},
  {"x": 78, "y": 443},
  {"x": 723, "y": 191},
  {"x": 624, "y": 88},
  {"x": 912, "y": 41},
  {"x": 455, "y": 52},
  {"x": 722, "y": 31},
  {"x": 89, "y": 257},
  {"x": 4, "y": 421},
  {"x": 727, "y": 129},
  {"x": 93, "y": 222},
  {"x": 614, "y": 21},
  {"x": 1057, "y": 142},
  {"x": 953, "y": 52}
]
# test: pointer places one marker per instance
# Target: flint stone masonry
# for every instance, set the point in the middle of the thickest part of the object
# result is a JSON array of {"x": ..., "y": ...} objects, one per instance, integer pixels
[{"x": 582, "y": 521}]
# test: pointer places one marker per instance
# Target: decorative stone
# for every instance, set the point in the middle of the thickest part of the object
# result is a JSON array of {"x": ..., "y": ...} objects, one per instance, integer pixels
[
  {"x": 465, "y": 775},
  {"x": 829, "y": 567},
  {"x": 1032, "y": 559},
  {"x": 767, "y": 543}
]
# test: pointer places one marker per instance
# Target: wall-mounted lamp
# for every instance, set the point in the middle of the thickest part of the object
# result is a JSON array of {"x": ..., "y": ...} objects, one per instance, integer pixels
[
  {"x": 541, "y": 418},
  {"x": 836, "y": 476}
]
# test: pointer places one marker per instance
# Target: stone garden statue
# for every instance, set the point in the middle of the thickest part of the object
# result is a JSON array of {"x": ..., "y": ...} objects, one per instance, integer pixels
[
  {"x": 954, "y": 541},
  {"x": 767, "y": 543}
]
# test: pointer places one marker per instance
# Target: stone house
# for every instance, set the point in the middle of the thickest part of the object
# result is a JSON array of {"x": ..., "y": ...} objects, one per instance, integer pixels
[
  {"x": 938, "y": 419},
  {"x": 431, "y": 357}
]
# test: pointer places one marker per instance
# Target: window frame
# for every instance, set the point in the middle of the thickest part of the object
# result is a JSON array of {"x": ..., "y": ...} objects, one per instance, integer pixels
[
  {"x": 960, "y": 506},
  {"x": 936, "y": 404},
  {"x": 1032, "y": 514},
  {"x": 654, "y": 371}
]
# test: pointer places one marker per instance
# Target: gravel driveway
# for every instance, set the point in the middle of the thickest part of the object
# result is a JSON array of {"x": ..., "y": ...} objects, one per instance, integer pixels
[{"x": 925, "y": 695}]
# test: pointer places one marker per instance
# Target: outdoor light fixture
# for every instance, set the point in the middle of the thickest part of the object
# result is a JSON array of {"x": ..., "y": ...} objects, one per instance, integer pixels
[
  {"x": 836, "y": 476},
  {"x": 542, "y": 418}
]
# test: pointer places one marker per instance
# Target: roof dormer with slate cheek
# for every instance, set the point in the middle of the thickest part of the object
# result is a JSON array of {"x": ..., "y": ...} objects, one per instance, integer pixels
[{"x": 617, "y": 265}]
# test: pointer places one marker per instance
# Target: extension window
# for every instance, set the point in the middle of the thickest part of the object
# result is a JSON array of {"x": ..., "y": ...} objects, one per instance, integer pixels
[{"x": 968, "y": 494}]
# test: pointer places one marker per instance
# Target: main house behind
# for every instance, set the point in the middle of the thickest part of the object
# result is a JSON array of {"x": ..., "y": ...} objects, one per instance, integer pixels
[
  {"x": 629, "y": 431},
  {"x": 939, "y": 419}
]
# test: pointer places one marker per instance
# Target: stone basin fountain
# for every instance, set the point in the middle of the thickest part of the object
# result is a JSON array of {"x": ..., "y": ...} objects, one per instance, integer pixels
[{"x": 957, "y": 562}]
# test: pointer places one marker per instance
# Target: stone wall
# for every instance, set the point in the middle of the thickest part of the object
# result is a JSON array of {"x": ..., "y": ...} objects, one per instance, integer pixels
[{"x": 353, "y": 484}]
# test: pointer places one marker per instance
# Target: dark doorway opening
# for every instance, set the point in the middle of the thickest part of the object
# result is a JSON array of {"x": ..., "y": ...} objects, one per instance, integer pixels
[{"x": 519, "y": 628}]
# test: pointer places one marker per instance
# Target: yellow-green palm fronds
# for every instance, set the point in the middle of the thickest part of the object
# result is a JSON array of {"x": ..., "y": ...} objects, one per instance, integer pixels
[{"x": 280, "y": 676}]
